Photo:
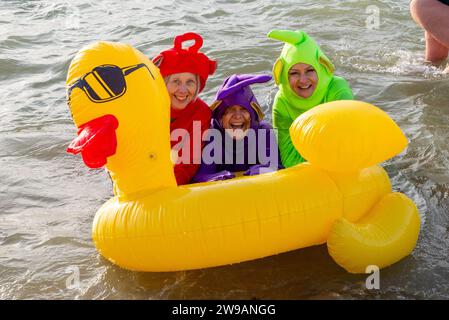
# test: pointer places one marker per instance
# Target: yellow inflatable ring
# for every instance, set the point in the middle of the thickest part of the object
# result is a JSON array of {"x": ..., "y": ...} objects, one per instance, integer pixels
[{"x": 341, "y": 197}]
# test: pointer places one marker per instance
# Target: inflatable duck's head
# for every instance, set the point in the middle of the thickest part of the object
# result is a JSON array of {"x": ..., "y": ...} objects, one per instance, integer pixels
[
  {"x": 300, "y": 48},
  {"x": 118, "y": 100}
]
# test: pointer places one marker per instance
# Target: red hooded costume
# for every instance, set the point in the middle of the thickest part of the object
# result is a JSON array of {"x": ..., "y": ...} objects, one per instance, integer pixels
[{"x": 178, "y": 60}]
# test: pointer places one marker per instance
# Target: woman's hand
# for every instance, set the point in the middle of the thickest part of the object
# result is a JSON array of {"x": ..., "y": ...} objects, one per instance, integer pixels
[
  {"x": 222, "y": 175},
  {"x": 258, "y": 169}
]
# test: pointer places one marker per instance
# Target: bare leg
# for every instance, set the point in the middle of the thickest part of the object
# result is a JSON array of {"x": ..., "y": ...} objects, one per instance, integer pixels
[
  {"x": 435, "y": 50},
  {"x": 432, "y": 16}
]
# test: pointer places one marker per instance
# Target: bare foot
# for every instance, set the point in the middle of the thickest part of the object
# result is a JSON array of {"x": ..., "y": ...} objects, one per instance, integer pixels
[{"x": 446, "y": 71}]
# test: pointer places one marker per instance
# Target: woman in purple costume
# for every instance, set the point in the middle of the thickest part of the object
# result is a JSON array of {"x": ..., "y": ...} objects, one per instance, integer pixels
[{"x": 239, "y": 140}]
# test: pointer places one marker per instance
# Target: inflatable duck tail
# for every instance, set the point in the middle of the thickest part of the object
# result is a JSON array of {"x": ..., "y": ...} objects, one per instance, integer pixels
[
  {"x": 347, "y": 139},
  {"x": 387, "y": 234},
  {"x": 346, "y": 136}
]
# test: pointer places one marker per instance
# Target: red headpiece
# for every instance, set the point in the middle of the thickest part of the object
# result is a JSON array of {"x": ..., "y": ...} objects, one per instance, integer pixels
[{"x": 177, "y": 59}]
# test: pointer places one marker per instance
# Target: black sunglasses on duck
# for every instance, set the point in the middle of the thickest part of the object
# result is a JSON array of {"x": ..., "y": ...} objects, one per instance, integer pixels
[{"x": 105, "y": 83}]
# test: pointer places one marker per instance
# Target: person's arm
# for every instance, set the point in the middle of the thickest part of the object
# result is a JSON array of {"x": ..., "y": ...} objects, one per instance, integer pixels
[
  {"x": 339, "y": 90},
  {"x": 208, "y": 172},
  {"x": 184, "y": 172},
  {"x": 271, "y": 153},
  {"x": 281, "y": 122},
  {"x": 192, "y": 173},
  {"x": 205, "y": 171},
  {"x": 214, "y": 176}
]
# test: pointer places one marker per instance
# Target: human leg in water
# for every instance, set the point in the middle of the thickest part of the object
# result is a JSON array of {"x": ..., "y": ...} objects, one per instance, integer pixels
[{"x": 433, "y": 17}]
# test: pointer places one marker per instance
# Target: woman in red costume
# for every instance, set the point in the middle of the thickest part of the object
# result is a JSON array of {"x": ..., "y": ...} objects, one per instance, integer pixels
[{"x": 185, "y": 72}]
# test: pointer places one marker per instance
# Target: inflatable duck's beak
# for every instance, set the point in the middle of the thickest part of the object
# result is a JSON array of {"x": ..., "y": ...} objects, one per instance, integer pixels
[{"x": 96, "y": 141}]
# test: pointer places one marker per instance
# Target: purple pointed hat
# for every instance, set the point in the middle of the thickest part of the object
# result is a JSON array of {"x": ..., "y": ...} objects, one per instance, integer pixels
[{"x": 236, "y": 90}]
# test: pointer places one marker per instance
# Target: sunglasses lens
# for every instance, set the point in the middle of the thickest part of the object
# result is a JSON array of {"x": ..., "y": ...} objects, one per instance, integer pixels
[
  {"x": 103, "y": 83},
  {"x": 92, "y": 94},
  {"x": 111, "y": 78},
  {"x": 84, "y": 85}
]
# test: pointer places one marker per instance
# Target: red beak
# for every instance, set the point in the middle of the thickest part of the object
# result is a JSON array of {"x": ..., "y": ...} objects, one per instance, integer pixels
[{"x": 96, "y": 141}]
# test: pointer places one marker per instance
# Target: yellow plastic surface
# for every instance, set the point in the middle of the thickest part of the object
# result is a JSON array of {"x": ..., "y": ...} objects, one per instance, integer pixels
[
  {"x": 351, "y": 134},
  {"x": 383, "y": 237}
]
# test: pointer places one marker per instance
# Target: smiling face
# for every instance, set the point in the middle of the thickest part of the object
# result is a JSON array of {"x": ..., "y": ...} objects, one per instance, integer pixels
[
  {"x": 303, "y": 79},
  {"x": 236, "y": 121},
  {"x": 182, "y": 88}
]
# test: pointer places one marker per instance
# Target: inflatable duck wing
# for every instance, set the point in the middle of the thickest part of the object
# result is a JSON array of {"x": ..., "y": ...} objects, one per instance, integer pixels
[{"x": 120, "y": 106}]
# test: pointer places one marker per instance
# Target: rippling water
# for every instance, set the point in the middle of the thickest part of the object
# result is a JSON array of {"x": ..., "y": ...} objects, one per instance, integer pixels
[{"x": 48, "y": 198}]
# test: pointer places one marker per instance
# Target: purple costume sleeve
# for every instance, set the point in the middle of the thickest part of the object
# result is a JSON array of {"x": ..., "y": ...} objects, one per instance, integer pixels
[
  {"x": 208, "y": 172},
  {"x": 271, "y": 153}
]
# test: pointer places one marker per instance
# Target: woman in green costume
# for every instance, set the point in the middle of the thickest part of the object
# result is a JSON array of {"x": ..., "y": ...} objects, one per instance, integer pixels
[{"x": 305, "y": 77}]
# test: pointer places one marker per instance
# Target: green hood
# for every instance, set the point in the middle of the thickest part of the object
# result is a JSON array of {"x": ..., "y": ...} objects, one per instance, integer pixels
[{"x": 299, "y": 47}]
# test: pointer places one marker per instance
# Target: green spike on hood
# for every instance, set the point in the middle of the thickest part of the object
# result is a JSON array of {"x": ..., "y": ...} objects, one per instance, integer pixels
[
  {"x": 292, "y": 37},
  {"x": 300, "y": 48}
]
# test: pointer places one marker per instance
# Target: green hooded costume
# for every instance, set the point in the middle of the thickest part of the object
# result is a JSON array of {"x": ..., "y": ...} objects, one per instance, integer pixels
[{"x": 300, "y": 48}]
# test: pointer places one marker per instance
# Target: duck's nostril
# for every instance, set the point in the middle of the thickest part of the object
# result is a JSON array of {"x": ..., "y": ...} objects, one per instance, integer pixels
[{"x": 152, "y": 156}]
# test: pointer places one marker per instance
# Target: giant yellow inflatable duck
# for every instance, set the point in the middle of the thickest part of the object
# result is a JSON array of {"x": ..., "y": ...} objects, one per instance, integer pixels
[{"x": 120, "y": 106}]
